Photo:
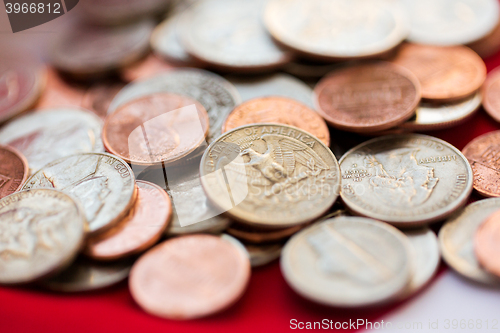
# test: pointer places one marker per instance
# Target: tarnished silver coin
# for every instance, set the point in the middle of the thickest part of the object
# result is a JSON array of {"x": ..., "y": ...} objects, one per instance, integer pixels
[
  {"x": 264, "y": 254},
  {"x": 456, "y": 239},
  {"x": 337, "y": 29},
  {"x": 217, "y": 95},
  {"x": 406, "y": 180},
  {"x": 230, "y": 35},
  {"x": 41, "y": 231},
  {"x": 451, "y": 22},
  {"x": 270, "y": 175},
  {"x": 103, "y": 184},
  {"x": 348, "y": 262},
  {"x": 49, "y": 134}
]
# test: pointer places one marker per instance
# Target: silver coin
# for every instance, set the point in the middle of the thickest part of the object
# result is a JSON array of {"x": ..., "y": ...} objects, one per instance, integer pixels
[
  {"x": 229, "y": 34},
  {"x": 218, "y": 96},
  {"x": 456, "y": 239},
  {"x": 451, "y": 22},
  {"x": 41, "y": 231},
  {"x": 261, "y": 255},
  {"x": 405, "y": 180},
  {"x": 102, "y": 183},
  {"x": 50, "y": 134},
  {"x": 348, "y": 262}
]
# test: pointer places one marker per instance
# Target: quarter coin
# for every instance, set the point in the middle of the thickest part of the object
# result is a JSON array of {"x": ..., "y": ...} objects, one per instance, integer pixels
[
  {"x": 491, "y": 94},
  {"x": 486, "y": 243},
  {"x": 13, "y": 170}
]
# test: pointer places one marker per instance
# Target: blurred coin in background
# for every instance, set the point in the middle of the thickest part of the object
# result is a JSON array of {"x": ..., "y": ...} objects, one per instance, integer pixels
[
  {"x": 259, "y": 236},
  {"x": 489, "y": 45},
  {"x": 145, "y": 68},
  {"x": 13, "y": 170},
  {"x": 59, "y": 92},
  {"x": 99, "y": 96},
  {"x": 261, "y": 255},
  {"x": 491, "y": 94}
]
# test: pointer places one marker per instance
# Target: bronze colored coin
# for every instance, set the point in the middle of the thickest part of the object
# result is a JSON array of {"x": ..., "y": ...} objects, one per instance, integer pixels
[
  {"x": 59, "y": 93},
  {"x": 158, "y": 128},
  {"x": 483, "y": 153},
  {"x": 367, "y": 98},
  {"x": 256, "y": 236},
  {"x": 487, "y": 244},
  {"x": 491, "y": 94},
  {"x": 13, "y": 170},
  {"x": 445, "y": 73},
  {"x": 139, "y": 230},
  {"x": 280, "y": 110},
  {"x": 190, "y": 277},
  {"x": 488, "y": 45},
  {"x": 148, "y": 67},
  {"x": 98, "y": 98}
]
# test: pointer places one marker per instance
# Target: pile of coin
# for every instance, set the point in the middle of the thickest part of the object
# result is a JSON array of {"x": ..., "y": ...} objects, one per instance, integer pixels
[{"x": 117, "y": 162}]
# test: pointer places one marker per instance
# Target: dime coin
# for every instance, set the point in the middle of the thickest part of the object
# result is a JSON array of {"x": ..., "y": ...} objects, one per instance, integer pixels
[
  {"x": 348, "y": 262},
  {"x": 98, "y": 97},
  {"x": 340, "y": 29},
  {"x": 456, "y": 239},
  {"x": 280, "y": 110},
  {"x": 261, "y": 255},
  {"x": 59, "y": 93},
  {"x": 482, "y": 155},
  {"x": 41, "y": 231},
  {"x": 367, "y": 98},
  {"x": 491, "y": 94},
  {"x": 102, "y": 183},
  {"x": 406, "y": 180},
  {"x": 155, "y": 129},
  {"x": 111, "y": 12},
  {"x": 445, "y": 73},
  {"x": 90, "y": 50},
  {"x": 218, "y": 96},
  {"x": 256, "y": 236},
  {"x": 13, "y": 170},
  {"x": 270, "y": 175},
  {"x": 229, "y": 35},
  {"x": 451, "y": 22},
  {"x": 49, "y": 134},
  {"x": 210, "y": 274},
  {"x": 139, "y": 230},
  {"x": 146, "y": 68},
  {"x": 486, "y": 243}
]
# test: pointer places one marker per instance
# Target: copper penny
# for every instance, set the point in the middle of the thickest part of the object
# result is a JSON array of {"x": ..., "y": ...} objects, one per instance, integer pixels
[
  {"x": 367, "y": 98},
  {"x": 58, "y": 93},
  {"x": 491, "y": 94},
  {"x": 148, "y": 67},
  {"x": 98, "y": 97},
  {"x": 190, "y": 277},
  {"x": 258, "y": 236},
  {"x": 280, "y": 110},
  {"x": 139, "y": 230},
  {"x": 158, "y": 128},
  {"x": 13, "y": 170},
  {"x": 483, "y": 154},
  {"x": 445, "y": 73},
  {"x": 487, "y": 244}
]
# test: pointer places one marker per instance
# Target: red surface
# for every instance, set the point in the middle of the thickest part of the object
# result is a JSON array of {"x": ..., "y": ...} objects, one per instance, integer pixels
[{"x": 268, "y": 304}]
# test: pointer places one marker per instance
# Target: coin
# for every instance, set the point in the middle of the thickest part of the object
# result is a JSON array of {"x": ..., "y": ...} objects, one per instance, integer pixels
[
  {"x": 270, "y": 175},
  {"x": 482, "y": 155},
  {"x": 102, "y": 183},
  {"x": 41, "y": 231},
  {"x": 229, "y": 35},
  {"x": 486, "y": 243},
  {"x": 406, "y": 180},
  {"x": 491, "y": 94},
  {"x": 210, "y": 274},
  {"x": 86, "y": 51},
  {"x": 256, "y": 236},
  {"x": 489, "y": 45},
  {"x": 111, "y": 12},
  {"x": 217, "y": 95},
  {"x": 309, "y": 70},
  {"x": 451, "y": 22},
  {"x": 13, "y": 170},
  {"x": 139, "y": 230},
  {"x": 155, "y": 129},
  {"x": 49, "y": 134},
  {"x": 261, "y": 255},
  {"x": 456, "y": 239},
  {"x": 347, "y": 262},
  {"x": 367, "y": 98},
  {"x": 445, "y": 73},
  {"x": 340, "y": 29},
  {"x": 59, "y": 93},
  {"x": 99, "y": 96},
  {"x": 282, "y": 110},
  {"x": 146, "y": 68}
]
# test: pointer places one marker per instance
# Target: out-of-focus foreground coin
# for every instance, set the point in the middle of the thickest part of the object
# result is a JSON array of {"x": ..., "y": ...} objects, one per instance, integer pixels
[
  {"x": 210, "y": 274},
  {"x": 445, "y": 73},
  {"x": 451, "y": 22},
  {"x": 367, "y": 98},
  {"x": 487, "y": 244},
  {"x": 348, "y": 262},
  {"x": 13, "y": 170},
  {"x": 139, "y": 230},
  {"x": 102, "y": 183},
  {"x": 218, "y": 96},
  {"x": 41, "y": 231},
  {"x": 49, "y": 134},
  {"x": 155, "y": 129},
  {"x": 282, "y": 110},
  {"x": 111, "y": 12},
  {"x": 482, "y": 153},
  {"x": 456, "y": 239},
  {"x": 340, "y": 29},
  {"x": 230, "y": 35},
  {"x": 406, "y": 180},
  {"x": 270, "y": 175},
  {"x": 491, "y": 94}
]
